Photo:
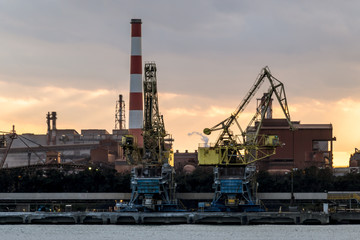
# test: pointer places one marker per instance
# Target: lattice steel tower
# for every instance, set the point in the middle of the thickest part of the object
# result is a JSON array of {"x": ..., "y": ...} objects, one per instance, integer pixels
[
  {"x": 154, "y": 129},
  {"x": 120, "y": 114}
]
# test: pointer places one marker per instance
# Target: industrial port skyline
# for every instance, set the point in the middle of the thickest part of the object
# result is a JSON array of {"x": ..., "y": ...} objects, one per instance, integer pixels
[{"x": 73, "y": 58}]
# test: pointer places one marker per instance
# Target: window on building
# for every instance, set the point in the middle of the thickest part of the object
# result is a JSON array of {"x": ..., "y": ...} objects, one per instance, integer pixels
[{"x": 321, "y": 146}]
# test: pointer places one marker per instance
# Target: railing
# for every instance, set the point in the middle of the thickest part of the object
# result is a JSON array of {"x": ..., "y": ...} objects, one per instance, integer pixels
[{"x": 344, "y": 196}]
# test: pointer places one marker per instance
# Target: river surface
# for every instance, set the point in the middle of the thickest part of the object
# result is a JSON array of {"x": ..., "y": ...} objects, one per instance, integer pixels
[{"x": 175, "y": 232}]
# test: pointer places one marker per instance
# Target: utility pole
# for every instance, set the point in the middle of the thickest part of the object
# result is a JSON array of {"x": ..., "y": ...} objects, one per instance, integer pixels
[{"x": 292, "y": 200}]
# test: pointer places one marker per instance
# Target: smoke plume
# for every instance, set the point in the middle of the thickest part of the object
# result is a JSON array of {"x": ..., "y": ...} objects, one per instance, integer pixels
[{"x": 204, "y": 138}]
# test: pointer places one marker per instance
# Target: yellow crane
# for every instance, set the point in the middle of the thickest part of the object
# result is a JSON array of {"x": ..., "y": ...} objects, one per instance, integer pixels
[
  {"x": 232, "y": 155},
  {"x": 152, "y": 180},
  {"x": 249, "y": 146}
]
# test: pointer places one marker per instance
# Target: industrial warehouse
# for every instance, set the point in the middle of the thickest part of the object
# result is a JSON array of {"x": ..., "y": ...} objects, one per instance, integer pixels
[{"x": 278, "y": 146}]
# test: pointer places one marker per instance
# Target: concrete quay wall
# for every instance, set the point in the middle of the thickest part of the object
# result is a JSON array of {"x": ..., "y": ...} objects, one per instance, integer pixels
[
  {"x": 163, "y": 218},
  {"x": 126, "y": 196}
]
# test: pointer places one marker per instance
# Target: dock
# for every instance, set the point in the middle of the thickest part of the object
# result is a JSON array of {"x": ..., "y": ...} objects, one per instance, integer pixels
[
  {"x": 163, "y": 218},
  {"x": 20, "y": 208}
]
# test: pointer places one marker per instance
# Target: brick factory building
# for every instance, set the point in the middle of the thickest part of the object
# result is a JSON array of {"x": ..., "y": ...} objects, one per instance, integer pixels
[
  {"x": 309, "y": 145},
  {"x": 182, "y": 159},
  {"x": 354, "y": 162}
]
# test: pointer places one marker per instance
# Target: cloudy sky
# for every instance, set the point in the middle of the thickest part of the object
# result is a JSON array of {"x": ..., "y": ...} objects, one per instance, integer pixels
[{"x": 72, "y": 56}]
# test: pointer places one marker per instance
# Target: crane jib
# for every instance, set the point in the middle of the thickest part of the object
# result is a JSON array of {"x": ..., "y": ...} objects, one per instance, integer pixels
[{"x": 251, "y": 141}]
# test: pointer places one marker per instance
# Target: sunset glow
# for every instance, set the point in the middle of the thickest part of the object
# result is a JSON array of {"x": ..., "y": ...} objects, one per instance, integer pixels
[{"x": 73, "y": 58}]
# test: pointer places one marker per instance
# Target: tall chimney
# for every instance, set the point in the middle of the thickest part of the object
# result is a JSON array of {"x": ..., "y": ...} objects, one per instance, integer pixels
[
  {"x": 121, "y": 113},
  {"x": 48, "y": 118},
  {"x": 53, "y": 118},
  {"x": 53, "y": 131},
  {"x": 136, "y": 98}
]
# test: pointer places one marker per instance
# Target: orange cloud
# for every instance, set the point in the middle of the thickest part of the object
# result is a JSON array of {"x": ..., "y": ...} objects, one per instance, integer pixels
[{"x": 26, "y": 106}]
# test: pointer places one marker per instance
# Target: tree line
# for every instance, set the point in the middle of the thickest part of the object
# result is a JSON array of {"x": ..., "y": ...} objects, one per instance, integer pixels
[
  {"x": 54, "y": 180},
  {"x": 201, "y": 180},
  {"x": 311, "y": 179}
]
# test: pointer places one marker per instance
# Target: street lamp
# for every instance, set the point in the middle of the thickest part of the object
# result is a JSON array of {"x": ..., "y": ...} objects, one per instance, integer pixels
[{"x": 292, "y": 200}]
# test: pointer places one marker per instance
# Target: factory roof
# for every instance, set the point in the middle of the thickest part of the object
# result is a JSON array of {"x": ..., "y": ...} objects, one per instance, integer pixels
[
  {"x": 283, "y": 124},
  {"x": 68, "y": 131}
]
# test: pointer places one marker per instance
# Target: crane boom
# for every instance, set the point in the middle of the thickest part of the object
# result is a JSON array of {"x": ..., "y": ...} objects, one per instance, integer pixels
[
  {"x": 224, "y": 125},
  {"x": 276, "y": 87},
  {"x": 229, "y": 149},
  {"x": 232, "y": 156}
]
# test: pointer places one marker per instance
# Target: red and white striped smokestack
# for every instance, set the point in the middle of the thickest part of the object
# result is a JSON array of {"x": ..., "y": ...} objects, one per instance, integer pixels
[{"x": 136, "y": 98}]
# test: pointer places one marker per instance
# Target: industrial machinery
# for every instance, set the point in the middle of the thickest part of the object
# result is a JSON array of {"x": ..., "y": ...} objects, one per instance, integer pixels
[
  {"x": 6, "y": 142},
  {"x": 152, "y": 180},
  {"x": 3, "y": 143},
  {"x": 233, "y": 156}
]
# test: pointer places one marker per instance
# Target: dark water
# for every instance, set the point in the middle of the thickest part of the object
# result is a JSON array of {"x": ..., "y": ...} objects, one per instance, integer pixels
[{"x": 174, "y": 232}]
